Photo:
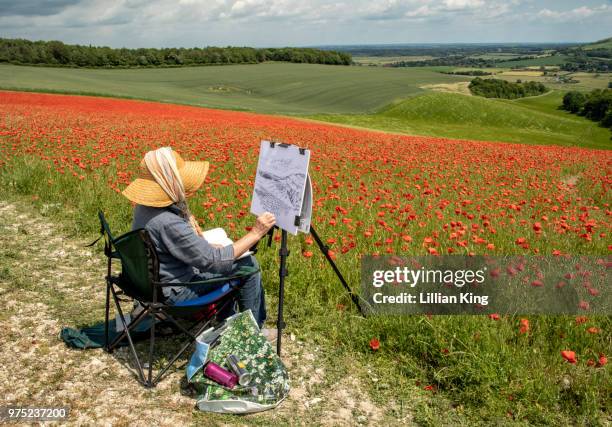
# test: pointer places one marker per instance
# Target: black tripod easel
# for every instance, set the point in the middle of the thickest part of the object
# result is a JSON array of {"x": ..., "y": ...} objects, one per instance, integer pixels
[
  {"x": 284, "y": 254},
  {"x": 282, "y": 273}
]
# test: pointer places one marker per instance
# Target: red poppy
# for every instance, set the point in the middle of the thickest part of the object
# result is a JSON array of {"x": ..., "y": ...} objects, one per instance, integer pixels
[
  {"x": 374, "y": 344},
  {"x": 569, "y": 355}
]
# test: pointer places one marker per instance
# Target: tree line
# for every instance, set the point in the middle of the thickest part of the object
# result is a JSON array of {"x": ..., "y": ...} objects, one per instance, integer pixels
[
  {"x": 468, "y": 73},
  {"x": 454, "y": 61},
  {"x": 56, "y": 53},
  {"x": 496, "y": 88},
  {"x": 595, "y": 105}
]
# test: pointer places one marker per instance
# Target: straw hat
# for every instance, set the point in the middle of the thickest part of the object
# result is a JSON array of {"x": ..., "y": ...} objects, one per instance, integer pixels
[{"x": 144, "y": 190}]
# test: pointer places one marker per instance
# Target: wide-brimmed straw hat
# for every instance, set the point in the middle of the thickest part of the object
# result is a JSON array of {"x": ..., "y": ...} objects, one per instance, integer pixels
[{"x": 144, "y": 190}]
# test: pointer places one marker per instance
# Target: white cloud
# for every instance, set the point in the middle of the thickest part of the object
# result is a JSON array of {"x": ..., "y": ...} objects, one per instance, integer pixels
[
  {"x": 436, "y": 9},
  {"x": 577, "y": 14},
  {"x": 267, "y": 22}
]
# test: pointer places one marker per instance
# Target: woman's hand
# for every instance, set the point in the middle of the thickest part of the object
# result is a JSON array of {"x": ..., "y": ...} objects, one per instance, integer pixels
[{"x": 263, "y": 223}]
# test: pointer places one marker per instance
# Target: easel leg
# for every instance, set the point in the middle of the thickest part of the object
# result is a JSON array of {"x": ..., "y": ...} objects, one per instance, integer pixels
[
  {"x": 280, "y": 323},
  {"x": 331, "y": 262}
]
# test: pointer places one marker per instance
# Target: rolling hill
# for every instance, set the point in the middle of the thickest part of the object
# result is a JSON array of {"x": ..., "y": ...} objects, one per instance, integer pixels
[
  {"x": 389, "y": 99},
  {"x": 533, "y": 120},
  {"x": 600, "y": 44},
  {"x": 267, "y": 88}
]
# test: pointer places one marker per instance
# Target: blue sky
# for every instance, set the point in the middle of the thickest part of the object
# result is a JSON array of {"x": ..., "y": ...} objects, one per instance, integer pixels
[{"x": 167, "y": 23}]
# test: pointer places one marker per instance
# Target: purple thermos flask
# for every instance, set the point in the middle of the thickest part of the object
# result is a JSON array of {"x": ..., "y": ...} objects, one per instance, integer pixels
[{"x": 220, "y": 375}]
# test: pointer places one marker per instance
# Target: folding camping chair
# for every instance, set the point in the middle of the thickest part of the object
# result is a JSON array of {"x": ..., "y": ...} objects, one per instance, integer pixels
[{"x": 139, "y": 281}]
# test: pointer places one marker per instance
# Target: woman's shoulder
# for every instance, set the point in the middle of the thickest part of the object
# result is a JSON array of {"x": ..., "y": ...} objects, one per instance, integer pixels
[{"x": 153, "y": 218}]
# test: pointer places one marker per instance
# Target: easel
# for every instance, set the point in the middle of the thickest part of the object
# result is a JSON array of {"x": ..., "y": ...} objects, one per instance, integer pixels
[{"x": 282, "y": 273}]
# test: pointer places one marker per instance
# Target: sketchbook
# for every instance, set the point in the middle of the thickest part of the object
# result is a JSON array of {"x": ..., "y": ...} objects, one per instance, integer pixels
[{"x": 218, "y": 236}]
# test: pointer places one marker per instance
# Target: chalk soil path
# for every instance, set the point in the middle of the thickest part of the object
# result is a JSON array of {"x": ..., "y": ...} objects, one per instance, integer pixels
[{"x": 48, "y": 281}]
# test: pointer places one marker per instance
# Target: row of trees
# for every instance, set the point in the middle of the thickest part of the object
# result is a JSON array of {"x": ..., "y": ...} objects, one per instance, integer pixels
[
  {"x": 468, "y": 73},
  {"x": 56, "y": 53},
  {"x": 587, "y": 64},
  {"x": 595, "y": 105},
  {"x": 496, "y": 88},
  {"x": 454, "y": 61}
]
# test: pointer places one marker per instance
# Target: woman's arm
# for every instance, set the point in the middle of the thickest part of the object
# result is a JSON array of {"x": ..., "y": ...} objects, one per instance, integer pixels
[{"x": 263, "y": 223}]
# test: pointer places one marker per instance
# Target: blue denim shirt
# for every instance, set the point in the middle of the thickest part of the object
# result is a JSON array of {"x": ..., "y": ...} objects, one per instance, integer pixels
[{"x": 182, "y": 253}]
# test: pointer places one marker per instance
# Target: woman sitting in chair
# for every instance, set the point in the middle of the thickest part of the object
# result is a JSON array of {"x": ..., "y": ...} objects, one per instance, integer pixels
[{"x": 159, "y": 192}]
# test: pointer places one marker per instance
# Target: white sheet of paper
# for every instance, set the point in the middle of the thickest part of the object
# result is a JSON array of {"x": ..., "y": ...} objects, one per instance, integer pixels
[
  {"x": 218, "y": 236},
  {"x": 306, "y": 207},
  {"x": 280, "y": 183}
]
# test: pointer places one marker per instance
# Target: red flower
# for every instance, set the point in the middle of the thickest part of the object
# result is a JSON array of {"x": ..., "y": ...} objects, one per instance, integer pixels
[
  {"x": 584, "y": 305},
  {"x": 524, "y": 326},
  {"x": 581, "y": 319},
  {"x": 307, "y": 254},
  {"x": 593, "y": 330},
  {"x": 494, "y": 316},
  {"x": 374, "y": 344},
  {"x": 569, "y": 355},
  {"x": 603, "y": 360}
]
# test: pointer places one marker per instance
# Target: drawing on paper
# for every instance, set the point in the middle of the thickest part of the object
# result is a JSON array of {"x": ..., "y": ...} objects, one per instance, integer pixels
[{"x": 280, "y": 184}]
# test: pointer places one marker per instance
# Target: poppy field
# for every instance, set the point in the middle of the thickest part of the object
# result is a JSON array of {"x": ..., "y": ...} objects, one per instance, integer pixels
[{"x": 374, "y": 193}]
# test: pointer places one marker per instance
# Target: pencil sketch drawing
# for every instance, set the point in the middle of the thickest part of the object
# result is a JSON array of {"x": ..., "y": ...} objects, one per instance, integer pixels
[{"x": 280, "y": 183}]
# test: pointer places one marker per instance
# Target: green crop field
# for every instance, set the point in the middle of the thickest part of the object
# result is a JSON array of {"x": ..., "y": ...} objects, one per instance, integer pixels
[
  {"x": 530, "y": 120},
  {"x": 380, "y": 60},
  {"x": 543, "y": 60},
  {"x": 268, "y": 88}
]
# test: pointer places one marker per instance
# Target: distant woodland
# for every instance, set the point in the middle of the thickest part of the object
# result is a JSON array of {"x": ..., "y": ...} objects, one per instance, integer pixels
[
  {"x": 56, "y": 53},
  {"x": 496, "y": 88}
]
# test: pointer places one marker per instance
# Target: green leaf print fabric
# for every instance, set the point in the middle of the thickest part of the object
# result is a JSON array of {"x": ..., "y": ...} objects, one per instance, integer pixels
[{"x": 269, "y": 385}]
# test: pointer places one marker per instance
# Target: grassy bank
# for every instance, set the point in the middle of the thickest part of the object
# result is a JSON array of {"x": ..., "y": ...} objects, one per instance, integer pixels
[{"x": 535, "y": 120}]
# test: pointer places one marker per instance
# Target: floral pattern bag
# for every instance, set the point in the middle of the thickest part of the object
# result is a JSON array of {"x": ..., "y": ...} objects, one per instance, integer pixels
[{"x": 240, "y": 336}]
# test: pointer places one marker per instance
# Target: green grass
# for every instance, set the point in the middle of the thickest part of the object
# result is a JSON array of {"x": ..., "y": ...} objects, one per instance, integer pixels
[
  {"x": 530, "y": 120},
  {"x": 486, "y": 373},
  {"x": 267, "y": 88}
]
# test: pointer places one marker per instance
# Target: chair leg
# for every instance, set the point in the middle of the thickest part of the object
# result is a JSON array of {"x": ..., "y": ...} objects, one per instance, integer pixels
[
  {"x": 139, "y": 369},
  {"x": 184, "y": 348},
  {"x": 187, "y": 343},
  {"x": 106, "y": 317},
  {"x": 141, "y": 316},
  {"x": 151, "y": 348}
]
